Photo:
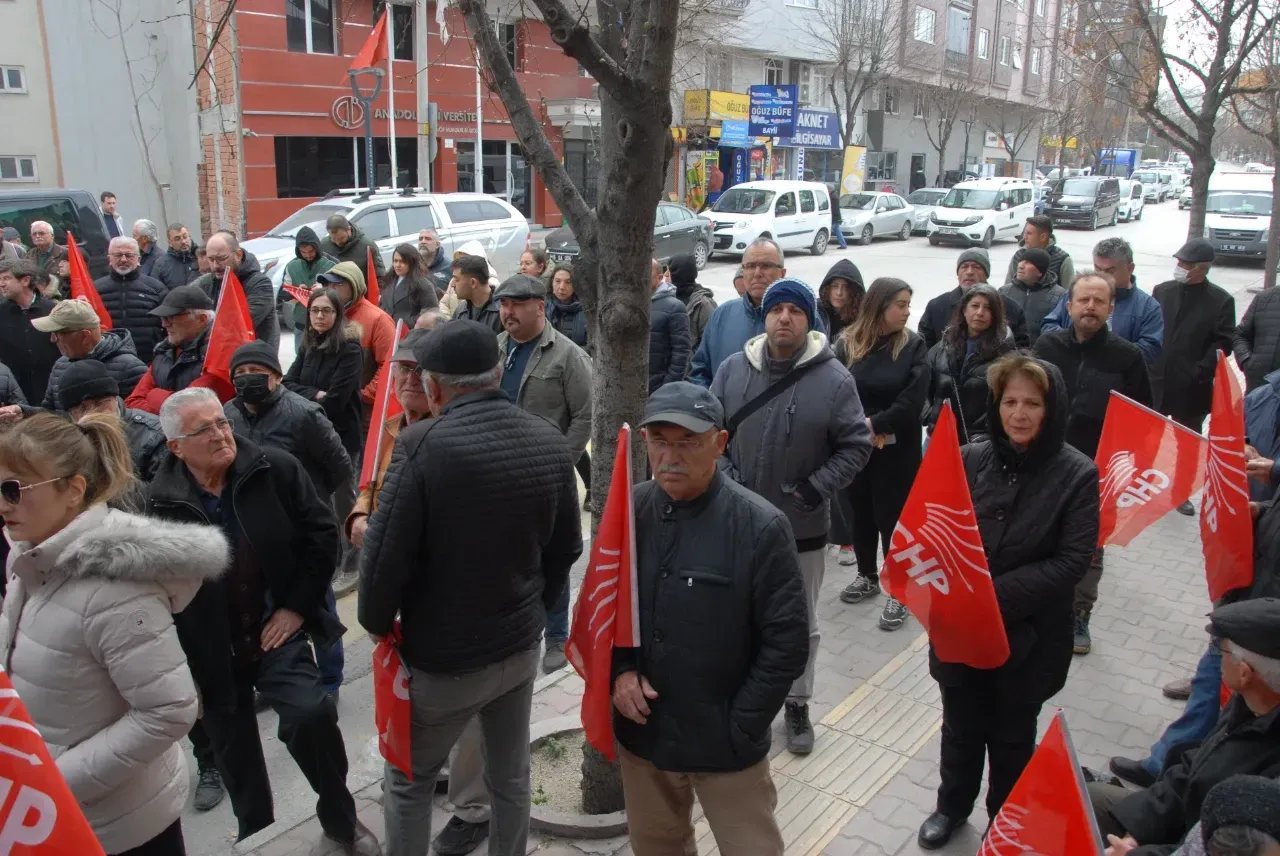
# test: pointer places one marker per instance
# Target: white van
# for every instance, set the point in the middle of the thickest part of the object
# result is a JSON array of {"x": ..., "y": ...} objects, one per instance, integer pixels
[
  {"x": 982, "y": 211},
  {"x": 1238, "y": 213},
  {"x": 796, "y": 214}
]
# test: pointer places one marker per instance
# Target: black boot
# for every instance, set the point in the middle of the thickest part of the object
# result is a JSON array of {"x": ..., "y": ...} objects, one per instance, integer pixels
[{"x": 937, "y": 829}]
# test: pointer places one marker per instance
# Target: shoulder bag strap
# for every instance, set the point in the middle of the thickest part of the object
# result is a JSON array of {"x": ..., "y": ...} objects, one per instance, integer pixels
[{"x": 775, "y": 389}]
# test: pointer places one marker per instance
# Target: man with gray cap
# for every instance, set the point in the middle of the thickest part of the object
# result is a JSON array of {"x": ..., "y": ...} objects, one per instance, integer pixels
[
  {"x": 1199, "y": 321},
  {"x": 972, "y": 266},
  {"x": 547, "y": 374},
  {"x": 724, "y": 633},
  {"x": 76, "y": 330},
  {"x": 472, "y": 600}
]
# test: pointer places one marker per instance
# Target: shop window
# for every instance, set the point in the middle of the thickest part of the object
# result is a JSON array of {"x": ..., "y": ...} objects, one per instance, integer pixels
[
  {"x": 312, "y": 166},
  {"x": 401, "y": 27},
  {"x": 309, "y": 26},
  {"x": 882, "y": 166}
]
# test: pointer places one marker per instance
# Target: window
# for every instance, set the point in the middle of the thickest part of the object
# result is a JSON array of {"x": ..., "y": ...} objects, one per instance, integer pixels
[
  {"x": 1017, "y": 55},
  {"x": 813, "y": 82},
  {"x": 984, "y": 43},
  {"x": 15, "y": 168},
  {"x": 309, "y": 26},
  {"x": 509, "y": 36},
  {"x": 719, "y": 71},
  {"x": 772, "y": 72},
  {"x": 1041, "y": 8},
  {"x": 958, "y": 29},
  {"x": 1035, "y": 60},
  {"x": 12, "y": 79},
  {"x": 921, "y": 105},
  {"x": 401, "y": 27},
  {"x": 803, "y": 4},
  {"x": 891, "y": 101},
  {"x": 882, "y": 166},
  {"x": 824, "y": 204},
  {"x": 312, "y": 166},
  {"x": 924, "y": 24},
  {"x": 1004, "y": 50},
  {"x": 806, "y": 202},
  {"x": 475, "y": 211},
  {"x": 1062, "y": 70},
  {"x": 411, "y": 219},
  {"x": 786, "y": 204},
  {"x": 376, "y": 225}
]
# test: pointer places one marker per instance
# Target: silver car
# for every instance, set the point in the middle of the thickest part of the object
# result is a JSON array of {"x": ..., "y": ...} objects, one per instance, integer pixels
[
  {"x": 868, "y": 215},
  {"x": 922, "y": 202}
]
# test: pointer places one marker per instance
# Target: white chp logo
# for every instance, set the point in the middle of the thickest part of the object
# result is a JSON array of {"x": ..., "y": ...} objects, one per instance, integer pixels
[
  {"x": 1226, "y": 458},
  {"x": 946, "y": 545},
  {"x": 1125, "y": 487},
  {"x": 1002, "y": 838}
]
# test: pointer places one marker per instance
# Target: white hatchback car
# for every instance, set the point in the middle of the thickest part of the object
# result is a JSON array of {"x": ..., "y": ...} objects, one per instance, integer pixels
[
  {"x": 1132, "y": 200},
  {"x": 795, "y": 214},
  {"x": 982, "y": 211}
]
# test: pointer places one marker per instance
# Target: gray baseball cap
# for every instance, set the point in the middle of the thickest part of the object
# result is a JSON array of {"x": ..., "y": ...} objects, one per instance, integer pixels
[{"x": 685, "y": 404}]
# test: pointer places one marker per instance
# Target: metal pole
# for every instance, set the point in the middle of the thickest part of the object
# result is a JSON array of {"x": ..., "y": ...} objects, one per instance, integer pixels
[
  {"x": 366, "y": 101},
  {"x": 423, "y": 57},
  {"x": 479, "y": 179},
  {"x": 391, "y": 93}
]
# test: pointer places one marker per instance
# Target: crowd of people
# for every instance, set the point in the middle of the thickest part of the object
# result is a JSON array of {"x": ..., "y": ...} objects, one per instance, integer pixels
[{"x": 178, "y": 539}]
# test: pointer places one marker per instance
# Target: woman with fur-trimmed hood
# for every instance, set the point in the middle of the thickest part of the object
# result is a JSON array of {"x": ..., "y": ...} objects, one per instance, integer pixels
[{"x": 87, "y": 633}]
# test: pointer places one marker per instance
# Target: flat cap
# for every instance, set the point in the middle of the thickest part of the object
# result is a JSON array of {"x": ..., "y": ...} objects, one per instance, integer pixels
[
  {"x": 521, "y": 287},
  {"x": 1252, "y": 624},
  {"x": 1195, "y": 250},
  {"x": 1249, "y": 801},
  {"x": 404, "y": 352},
  {"x": 685, "y": 404},
  {"x": 461, "y": 347},
  {"x": 181, "y": 299},
  {"x": 68, "y": 315}
]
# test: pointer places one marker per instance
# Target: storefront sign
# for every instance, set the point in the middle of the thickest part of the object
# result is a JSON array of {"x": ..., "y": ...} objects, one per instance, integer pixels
[
  {"x": 703, "y": 106},
  {"x": 815, "y": 129},
  {"x": 348, "y": 113},
  {"x": 773, "y": 110},
  {"x": 733, "y": 135},
  {"x": 855, "y": 169}
]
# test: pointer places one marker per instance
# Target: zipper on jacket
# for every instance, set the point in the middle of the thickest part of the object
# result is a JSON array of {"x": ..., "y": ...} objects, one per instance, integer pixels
[{"x": 703, "y": 577}]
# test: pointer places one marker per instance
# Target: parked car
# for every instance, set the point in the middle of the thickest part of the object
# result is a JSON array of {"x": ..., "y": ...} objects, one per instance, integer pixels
[
  {"x": 1184, "y": 198},
  {"x": 676, "y": 230},
  {"x": 1038, "y": 197},
  {"x": 796, "y": 214},
  {"x": 1153, "y": 188},
  {"x": 922, "y": 202},
  {"x": 1132, "y": 203},
  {"x": 74, "y": 211},
  {"x": 866, "y": 216},
  {"x": 982, "y": 211},
  {"x": 1090, "y": 201}
]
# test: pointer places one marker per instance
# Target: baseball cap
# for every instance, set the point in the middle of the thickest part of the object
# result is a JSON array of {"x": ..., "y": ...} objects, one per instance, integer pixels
[
  {"x": 182, "y": 299},
  {"x": 685, "y": 404},
  {"x": 68, "y": 315}
]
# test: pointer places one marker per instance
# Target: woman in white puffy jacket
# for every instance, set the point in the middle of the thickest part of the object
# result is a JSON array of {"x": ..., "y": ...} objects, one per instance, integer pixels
[{"x": 86, "y": 632}]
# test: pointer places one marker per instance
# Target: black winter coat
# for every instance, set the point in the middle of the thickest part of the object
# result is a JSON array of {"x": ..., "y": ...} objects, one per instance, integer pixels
[
  {"x": 570, "y": 319},
  {"x": 10, "y": 391},
  {"x": 176, "y": 268},
  {"x": 116, "y": 352},
  {"x": 1090, "y": 371},
  {"x": 258, "y": 291},
  {"x": 1037, "y": 511},
  {"x": 939, "y": 311},
  {"x": 338, "y": 377},
  {"x": 1035, "y": 301},
  {"x": 147, "y": 446},
  {"x": 487, "y": 314},
  {"x": 174, "y": 370},
  {"x": 1257, "y": 340},
  {"x": 356, "y": 250},
  {"x": 723, "y": 627},
  {"x": 963, "y": 382},
  {"x": 1266, "y": 556},
  {"x": 407, "y": 299},
  {"x": 848, "y": 271},
  {"x": 290, "y": 532},
  {"x": 27, "y": 352},
  {"x": 670, "y": 341},
  {"x": 469, "y": 594},
  {"x": 892, "y": 390},
  {"x": 289, "y": 422},
  {"x": 1199, "y": 321},
  {"x": 128, "y": 299}
]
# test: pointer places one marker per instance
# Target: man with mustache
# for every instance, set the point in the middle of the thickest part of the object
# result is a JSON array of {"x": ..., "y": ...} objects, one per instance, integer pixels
[{"x": 1094, "y": 361}]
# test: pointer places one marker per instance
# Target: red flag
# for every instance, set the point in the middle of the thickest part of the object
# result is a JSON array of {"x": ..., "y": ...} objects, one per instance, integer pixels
[
  {"x": 44, "y": 818},
  {"x": 300, "y": 293},
  {"x": 374, "y": 52},
  {"x": 82, "y": 287},
  {"x": 232, "y": 327},
  {"x": 392, "y": 709},
  {"x": 372, "y": 293},
  {"x": 607, "y": 614},
  {"x": 385, "y": 406},
  {"x": 1048, "y": 812},
  {"x": 1148, "y": 465},
  {"x": 936, "y": 564},
  {"x": 1226, "y": 526}
]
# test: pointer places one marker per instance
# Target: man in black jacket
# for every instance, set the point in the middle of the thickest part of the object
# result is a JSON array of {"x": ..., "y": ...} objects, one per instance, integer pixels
[
  {"x": 224, "y": 253},
  {"x": 27, "y": 352},
  {"x": 973, "y": 266},
  {"x": 724, "y": 633},
  {"x": 438, "y": 266},
  {"x": 477, "y": 303},
  {"x": 89, "y": 387},
  {"x": 129, "y": 296},
  {"x": 178, "y": 265},
  {"x": 346, "y": 243},
  {"x": 1093, "y": 362},
  {"x": 1257, "y": 339},
  {"x": 248, "y": 630},
  {"x": 77, "y": 332},
  {"x": 669, "y": 338},
  {"x": 472, "y": 605}
]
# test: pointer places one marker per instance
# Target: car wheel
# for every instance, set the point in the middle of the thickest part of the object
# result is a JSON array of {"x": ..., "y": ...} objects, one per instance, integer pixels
[
  {"x": 1093, "y": 221},
  {"x": 905, "y": 231},
  {"x": 701, "y": 253},
  {"x": 933, "y": 241},
  {"x": 867, "y": 234},
  {"x": 988, "y": 237},
  {"x": 820, "y": 242}
]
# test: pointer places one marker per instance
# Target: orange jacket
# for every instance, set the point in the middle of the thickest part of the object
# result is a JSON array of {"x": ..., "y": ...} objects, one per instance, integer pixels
[{"x": 378, "y": 342}]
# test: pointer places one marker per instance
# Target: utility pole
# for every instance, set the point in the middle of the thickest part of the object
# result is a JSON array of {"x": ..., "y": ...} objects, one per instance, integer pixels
[{"x": 421, "y": 54}]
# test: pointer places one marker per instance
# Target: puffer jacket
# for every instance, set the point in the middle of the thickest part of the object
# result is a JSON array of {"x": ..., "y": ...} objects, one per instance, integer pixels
[
  {"x": 116, "y": 352},
  {"x": 963, "y": 382},
  {"x": 355, "y": 250},
  {"x": 10, "y": 392},
  {"x": 173, "y": 369},
  {"x": 466, "y": 598},
  {"x": 176, "y": 268},
  {"x": 338, "y": 376},
  {"x": 258, "y": 291},
  {"x": 1262, "y": 431},
  {"x": 815, "y": 431},
  {"x": 848, "y": 271},
  {"x": 87, "y": 637},
  {"x": 669, "y": 340},
  {"x": 570, "y": 319},
  {"x": 128, "y": 299},
  {"x": 1035, "y": 301},
  {"x": 147, "y": 443},
  {"x": 1257, "y": 339},
  {"x": 1136, "y": 318},
  {"x": 1037, "y": 511},
  {"x": 303, "y": 273},
  {"x": 556, "y": 385},
  {"x": 289, "y": 422},
  {"x": 724, "y": 630},
  {"x": 1060, "y": 264}
]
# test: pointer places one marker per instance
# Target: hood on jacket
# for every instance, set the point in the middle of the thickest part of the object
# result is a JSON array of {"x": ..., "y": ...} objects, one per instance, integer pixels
[
  {"x": 1053, "y": 431},
  {"x": 1047, "y": 281},
  {"x": 248, "y": 267},
  {"x": 684, "y": 271},
  {"x": 113, "y": 343},
  {"x": 350, "y": 271},
  {"x": 306, "y": 237},
  {"x": 664, "y": 290},
  {"x": 475, "y": 248},
  {"x": 815, "y": 344},
  {"x": 356, "y": 237},
  {"x": 846, "y": 270}
]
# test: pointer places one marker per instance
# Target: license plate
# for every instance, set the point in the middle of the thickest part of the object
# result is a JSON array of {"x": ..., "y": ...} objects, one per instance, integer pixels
[
  {"x": 1234, "y": 248},
  {"x": 943, "y": 230},
  {"x": 561, "y": 257}
]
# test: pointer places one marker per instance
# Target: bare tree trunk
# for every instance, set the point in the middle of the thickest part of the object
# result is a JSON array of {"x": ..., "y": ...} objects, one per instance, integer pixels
[
  {"x": 1202, "y": 165},
  {"x": 1273, "y": 234}
]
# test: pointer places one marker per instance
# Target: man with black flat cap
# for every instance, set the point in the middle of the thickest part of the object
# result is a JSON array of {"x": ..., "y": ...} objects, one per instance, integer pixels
[
  {"x": 1199, "y": 321},
  {"x": 186, "y": 314},
  {"x": 472, "y": 605}
]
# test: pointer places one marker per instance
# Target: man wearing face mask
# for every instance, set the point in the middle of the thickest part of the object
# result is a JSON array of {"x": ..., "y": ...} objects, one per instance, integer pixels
[{"x": 1199, "y": 321}]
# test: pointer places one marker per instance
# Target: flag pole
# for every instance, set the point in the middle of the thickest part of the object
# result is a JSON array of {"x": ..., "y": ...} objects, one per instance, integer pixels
[
  {"x": 391, "y": 93},
  {"x": 479, "y": 181}
]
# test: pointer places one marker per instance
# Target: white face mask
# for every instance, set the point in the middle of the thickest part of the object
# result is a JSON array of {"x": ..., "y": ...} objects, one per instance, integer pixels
[{"x": 1180, "y": 273}]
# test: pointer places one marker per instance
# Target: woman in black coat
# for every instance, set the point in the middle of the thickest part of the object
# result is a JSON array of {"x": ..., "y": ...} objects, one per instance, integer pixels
[
  {"x": 839, "y": 297},
  {"x": 975, "y": 338},
  {"x": 1036, "y": 502},
  {"x": 888, "y": 361},
  {"x": 564, "y": 310},
  {"x": 409, "y": 292},
  {"x": 329, "y": 367}
]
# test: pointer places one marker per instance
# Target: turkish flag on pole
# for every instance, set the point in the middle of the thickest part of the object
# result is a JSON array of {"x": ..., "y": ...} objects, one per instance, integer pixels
[
  {"x": 1226, "y": 526},
  {"x": 1048, "y": 813},
  {"x": 43, "y": 818},
  {"x": 1148, "y": 465},
  {"x": 936, "y": 564},
  {"x": 607, "y": 614},
  {"x": 232, "y": 327},
  {"x": 372, "y": 293},
  {"x": 385, "y": 406},
  {"x": 374, "y": 52},
  {"x": 82, "y": 287}
]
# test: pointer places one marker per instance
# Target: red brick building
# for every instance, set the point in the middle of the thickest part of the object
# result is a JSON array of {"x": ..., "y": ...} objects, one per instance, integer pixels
[{"x": 278, "y": 128}]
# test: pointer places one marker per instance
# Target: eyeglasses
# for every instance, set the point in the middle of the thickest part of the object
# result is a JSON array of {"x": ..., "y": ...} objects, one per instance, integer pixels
[
  {"x": 122, "y": 255},
  {"x": 11, "y": 489},
  {"x": 760, "y": 266},
  {"x": 221, "y": 260},
  {"x": 681, "y": 446},
  {"x": 321, "y": 310},
  {"x": 219, "y": 425}
]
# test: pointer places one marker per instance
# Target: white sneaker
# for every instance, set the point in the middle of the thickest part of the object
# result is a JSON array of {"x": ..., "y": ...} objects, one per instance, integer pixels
[{"x": 845, "y": 556}]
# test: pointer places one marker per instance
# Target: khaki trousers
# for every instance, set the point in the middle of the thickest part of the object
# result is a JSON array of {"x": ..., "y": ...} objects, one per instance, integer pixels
[{"x": 738, "y": 806}]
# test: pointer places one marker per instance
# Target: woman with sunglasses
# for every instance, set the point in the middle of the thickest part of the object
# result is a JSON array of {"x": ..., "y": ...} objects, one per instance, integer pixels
[{"x": 86, "y": 631}]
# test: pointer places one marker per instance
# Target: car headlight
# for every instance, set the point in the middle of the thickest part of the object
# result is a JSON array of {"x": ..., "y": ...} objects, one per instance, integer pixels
[
  {"x": 933, "y": 218},
  {"x": 742, "y": 224},
  {"x": 1266, "y": 233},
  {"x": 969, "y": 221}
]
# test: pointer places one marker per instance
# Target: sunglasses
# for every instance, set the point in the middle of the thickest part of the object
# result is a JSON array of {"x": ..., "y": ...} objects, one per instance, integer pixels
[{"x": 11, "y": 489}]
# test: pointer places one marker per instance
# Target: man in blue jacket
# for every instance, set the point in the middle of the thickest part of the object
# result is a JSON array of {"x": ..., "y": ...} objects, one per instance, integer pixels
[{"x": 1136, "y": 318}]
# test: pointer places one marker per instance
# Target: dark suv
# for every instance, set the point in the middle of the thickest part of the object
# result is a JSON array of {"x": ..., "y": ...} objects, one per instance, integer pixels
[
  {"x": 74, "y": 211},
  {"x": 1085, "y": 200}
]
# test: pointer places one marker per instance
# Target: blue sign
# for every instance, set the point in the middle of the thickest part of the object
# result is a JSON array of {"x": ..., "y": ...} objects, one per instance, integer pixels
[
  {"x": 815, "y": 129},
  {"x": 733, "y": 134},
  {"x": 773, "y": 111}
]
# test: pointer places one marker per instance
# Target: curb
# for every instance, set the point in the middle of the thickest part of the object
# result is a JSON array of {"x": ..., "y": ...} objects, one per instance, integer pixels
[{"x": 570, "y": 824}]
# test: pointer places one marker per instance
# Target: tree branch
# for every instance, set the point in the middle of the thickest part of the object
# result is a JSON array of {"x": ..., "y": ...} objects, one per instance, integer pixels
[{"x": 576, "y": 41}]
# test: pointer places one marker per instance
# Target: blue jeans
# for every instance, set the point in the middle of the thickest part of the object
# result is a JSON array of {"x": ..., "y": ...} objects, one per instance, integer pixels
[
  {"x": 838, "y": 233},
  {"x": 558, "y": 618},
  {"x": 1201, "y": 713},
  {"x": 329, "y": 660}
]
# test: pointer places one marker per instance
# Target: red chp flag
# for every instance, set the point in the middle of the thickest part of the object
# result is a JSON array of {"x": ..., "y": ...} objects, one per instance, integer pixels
[
  {"x": 42, "y": 818},
  {"x": 1148, "y": 465},
  {"x": 300, "y": 293},
  {"x": 232, "y": 327},
  {"x": 374, "y": 52},
  {"x": 607, "y": 613},
  {"x": 1048, "y": 813},
  {"x": 392, "y": 709},
  {"x": 936, "y": 564},
  {"x": 82, "y": 287},
  {"x": 385, "y": 406},
  {"x": 1226, "y": 526},
  {"x": 372, "y": 292}
]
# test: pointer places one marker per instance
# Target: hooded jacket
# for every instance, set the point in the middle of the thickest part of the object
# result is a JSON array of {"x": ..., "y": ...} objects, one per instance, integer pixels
[
  {"x": 1060, "y": 264},
  {"x": 355, "y": 250},
  {"x": 116, "y": 352},
  {"x": 1136, "y": 318},
  {"x": 848, "y": 271},
  {"x": 570, "y": 319},
  {"x": 338, "y": 376},
  {"x": 87, "y": 637},
  {"x": 303, "y": 273},
  {"x": 176, "y": 267},
  {"x": 698, "y": 301},
  {"x": 668, "y": 337},
  {"x": 258, "y": 291},
  {"x": 289, "y": 422},
  {"x": 556, "y": 385},
  {"x": 815, "y": 431},
  {"x": 176, "y": 368},
  {"x": 128, "y": 299},
  {"x": 731, "y": 326},
  {"x": 378, "y": 331},
  {"x": 1035, "y": 301},
  {"x": 961, "y": 380}
]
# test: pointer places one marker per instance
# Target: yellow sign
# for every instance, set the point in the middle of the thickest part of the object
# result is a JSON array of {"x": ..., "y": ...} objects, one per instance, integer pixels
[
  {"x": 702, "y": 106},
  {"x": 1054, "y": 142},
  {"x": 854, "y": 173}
]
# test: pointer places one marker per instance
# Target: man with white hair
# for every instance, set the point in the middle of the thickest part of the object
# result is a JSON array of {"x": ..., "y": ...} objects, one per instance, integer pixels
[
  {"x": 129, "y": 296},
  {"x": 45, "y": 252},
  {"x": 147, "y": 234},
  {"x": 187, "y": 315}
]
